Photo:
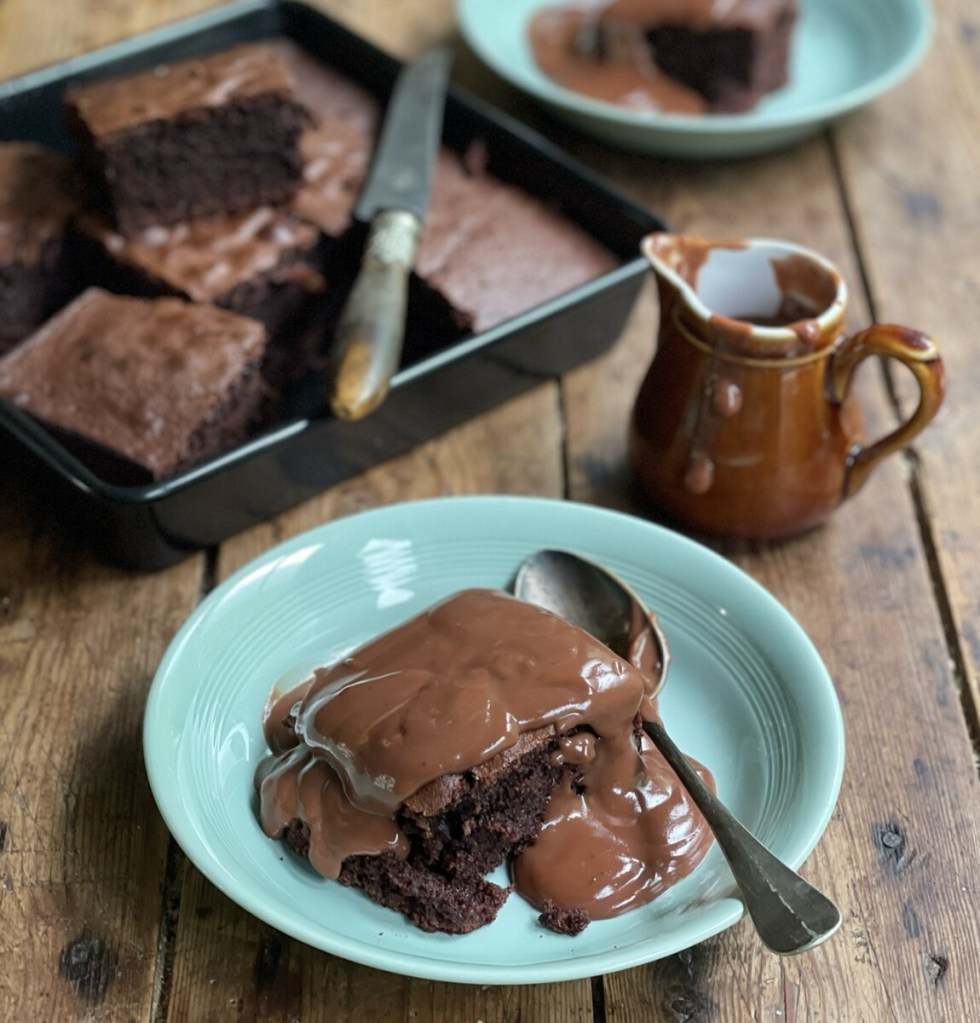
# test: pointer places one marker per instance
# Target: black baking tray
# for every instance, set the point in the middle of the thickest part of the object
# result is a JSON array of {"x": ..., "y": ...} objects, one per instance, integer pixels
[{"x": 153, "y": 525}]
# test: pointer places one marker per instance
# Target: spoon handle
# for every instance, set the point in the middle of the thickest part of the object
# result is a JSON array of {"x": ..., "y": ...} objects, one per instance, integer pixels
[{"x": 789, "y": 914}]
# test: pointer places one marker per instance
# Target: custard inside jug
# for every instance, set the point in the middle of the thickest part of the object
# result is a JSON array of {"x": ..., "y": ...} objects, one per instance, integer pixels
[{"x": 760, "y": 284}]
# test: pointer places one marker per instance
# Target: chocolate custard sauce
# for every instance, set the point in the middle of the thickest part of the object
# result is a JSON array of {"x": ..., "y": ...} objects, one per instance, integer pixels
[
  {"x": 447, "y": 691},
  {"x": 623, "y": 73}
]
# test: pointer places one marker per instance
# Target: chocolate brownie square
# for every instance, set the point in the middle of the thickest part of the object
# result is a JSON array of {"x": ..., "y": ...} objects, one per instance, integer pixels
[
  {"x": 337, "y": 146},
  {"x": 38, "y": 195},
  {"x": 489, "y": 251},
  {"x": 160, "y": 382},
  {"x": 215, "y": 134},
  {"x": 263, "y": 263}
]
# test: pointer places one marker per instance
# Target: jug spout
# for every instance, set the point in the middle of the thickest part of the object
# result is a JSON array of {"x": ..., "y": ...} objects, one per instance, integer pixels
[
  {"x": 754, "y": 296},
  {"x": 705, "y": 278},
  {"x": 676, "y": 260}
]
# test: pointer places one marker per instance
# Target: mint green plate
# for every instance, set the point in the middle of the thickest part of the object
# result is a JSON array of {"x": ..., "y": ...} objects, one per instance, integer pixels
[
  {"x": 747, "y": 695},
  {"x": 845, "y": 53}
]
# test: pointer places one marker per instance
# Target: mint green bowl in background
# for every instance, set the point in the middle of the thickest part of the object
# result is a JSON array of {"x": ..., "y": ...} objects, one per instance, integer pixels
[{"x": 844, "y": 54}]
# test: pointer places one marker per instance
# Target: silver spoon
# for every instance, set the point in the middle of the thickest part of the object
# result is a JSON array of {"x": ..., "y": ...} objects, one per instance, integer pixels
[
  {"x": 789, "y": 914},
  {"x": 594, "y": 599}
]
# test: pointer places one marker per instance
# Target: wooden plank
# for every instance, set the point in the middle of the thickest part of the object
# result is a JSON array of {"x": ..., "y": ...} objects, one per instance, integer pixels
[
  {"x": 82, "y": 849},
  {"x": 913, "y": 187},
  {"x": 519, "y": 453},
  {"x": 83, "y": 852},
  {"x": 415, "y": 24},
  {"x": 67, "y": 28}
]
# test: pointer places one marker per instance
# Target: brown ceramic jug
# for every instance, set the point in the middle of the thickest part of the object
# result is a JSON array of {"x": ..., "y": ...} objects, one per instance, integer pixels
[{"x": 745, "y": 424}]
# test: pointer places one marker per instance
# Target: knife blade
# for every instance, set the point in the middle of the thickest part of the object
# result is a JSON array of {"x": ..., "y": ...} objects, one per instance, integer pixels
[{"x": 368, "y": 340}]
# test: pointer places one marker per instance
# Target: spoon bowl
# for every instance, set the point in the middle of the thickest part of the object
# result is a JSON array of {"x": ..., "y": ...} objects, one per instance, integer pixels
[
  {"x": 596, "y": 600},
  {"x": 789, "y": 914}
]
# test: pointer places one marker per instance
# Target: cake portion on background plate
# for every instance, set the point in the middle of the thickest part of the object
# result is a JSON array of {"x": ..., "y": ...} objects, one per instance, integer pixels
[
  {"x": 674, "y": 56},
  {"x": 481, "y": 732}
]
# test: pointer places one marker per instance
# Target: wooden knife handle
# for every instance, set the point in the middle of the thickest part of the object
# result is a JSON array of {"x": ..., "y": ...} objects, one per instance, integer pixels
[{"x": 368, "y": 341}]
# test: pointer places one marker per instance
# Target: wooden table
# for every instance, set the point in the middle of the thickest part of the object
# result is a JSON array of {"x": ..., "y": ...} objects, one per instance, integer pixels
[{"x": 103, "y": 918}]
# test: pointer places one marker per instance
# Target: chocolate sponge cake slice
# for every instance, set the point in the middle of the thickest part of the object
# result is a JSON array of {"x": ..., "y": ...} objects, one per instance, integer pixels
[
  {"x": 262, "y": 263},
  {"x": 162, "y": 383},
  {"x": 468, "y": 823},
  {"x": 216, "y": 134},
  {"x": 458, "y": 828},
  {"x": 482, "y": 731},
  {"x": 489, "y": 250},
  {"x": 731, "y": 53},
  {"x": 429, "y": 900},
  {"x": 38, "y": 196}
]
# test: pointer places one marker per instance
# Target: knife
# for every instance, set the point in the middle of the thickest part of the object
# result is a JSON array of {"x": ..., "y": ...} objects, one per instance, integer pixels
[{"x": 368, "y": 340}]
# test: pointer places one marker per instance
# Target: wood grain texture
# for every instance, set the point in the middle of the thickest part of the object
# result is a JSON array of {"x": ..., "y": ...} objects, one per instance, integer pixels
[
  {"x": 101, "y": 917},
  {"x": 82, "y": 848},
  {"x": 32, "y": 38},
  {"x": 913, "y": 188}
]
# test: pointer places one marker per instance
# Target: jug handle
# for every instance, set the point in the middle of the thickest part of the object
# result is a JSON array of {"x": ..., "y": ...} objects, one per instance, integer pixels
[{"x": 910, "y": 347}]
